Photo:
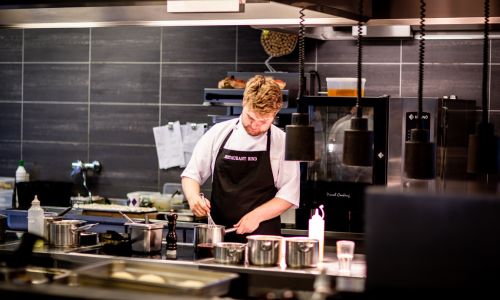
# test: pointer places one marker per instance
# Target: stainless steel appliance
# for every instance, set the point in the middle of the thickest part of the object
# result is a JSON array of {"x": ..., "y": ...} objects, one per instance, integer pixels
[{"x": 341, "y": 188}]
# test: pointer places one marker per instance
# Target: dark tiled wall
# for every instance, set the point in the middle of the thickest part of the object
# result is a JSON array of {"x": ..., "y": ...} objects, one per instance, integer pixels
[{"x": 95, "y": 94}]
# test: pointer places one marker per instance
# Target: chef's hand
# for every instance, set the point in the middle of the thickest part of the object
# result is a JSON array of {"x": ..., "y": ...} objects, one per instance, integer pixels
[
  {"x": 199, "y": 206},
  {"x": 248, "y": 224}
]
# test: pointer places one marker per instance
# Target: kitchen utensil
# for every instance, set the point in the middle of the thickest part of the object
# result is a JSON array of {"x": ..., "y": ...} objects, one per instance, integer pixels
[
  {"x": 66, "y": 233},
  {"x": 126, "y": 217},
  {"x": 210, "y": 220},
  {"x": 46, "y": 223},
  {"x": 301, "y": 252},
  {"x": 171, "y": 281},
  {"x": 65, "y": 211},
  {"x": 88, "y": 238},
  {"x": 205, "y": 238},
  {"x": 230, "y": 253},
  {"x": 264, "y": 250},
  {"x": 145, "y": 238}
]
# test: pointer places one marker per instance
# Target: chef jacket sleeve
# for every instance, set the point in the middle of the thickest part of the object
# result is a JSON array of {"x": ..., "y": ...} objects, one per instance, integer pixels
[
  {"x": 287, "y": 173},
  {"x": 199, "y": 166}
]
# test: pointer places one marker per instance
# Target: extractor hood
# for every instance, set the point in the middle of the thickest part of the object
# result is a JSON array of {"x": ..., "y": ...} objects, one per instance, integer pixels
[
  {"x": 71, "y": 14},
  {"x": 332, "y": 17}
]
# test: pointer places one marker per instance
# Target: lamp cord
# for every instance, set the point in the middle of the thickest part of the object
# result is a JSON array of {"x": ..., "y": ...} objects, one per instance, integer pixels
[
  {"x": 359, "y": 112},
  {"x": 301, "y": 42},
  {"x": 421, "y": 55},
  {"x": 486, "y": 50}
]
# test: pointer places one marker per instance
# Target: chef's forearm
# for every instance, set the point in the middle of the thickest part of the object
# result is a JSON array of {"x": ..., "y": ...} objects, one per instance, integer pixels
[
  {"x": 271, "y": 209},
  {"x": 191, "y": 188}
]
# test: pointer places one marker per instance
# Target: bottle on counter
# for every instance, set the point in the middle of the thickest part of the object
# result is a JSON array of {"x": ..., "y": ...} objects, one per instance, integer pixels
[
  {"x": 35, "y": 218},
  {"x": 317, "y": 229},
  {"x": 21, "y": 176},
  {"x": 171, "y": 252}
]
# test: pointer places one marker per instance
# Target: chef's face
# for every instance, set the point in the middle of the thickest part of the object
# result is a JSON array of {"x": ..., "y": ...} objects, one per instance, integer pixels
[{"x": 254, "y": 123}]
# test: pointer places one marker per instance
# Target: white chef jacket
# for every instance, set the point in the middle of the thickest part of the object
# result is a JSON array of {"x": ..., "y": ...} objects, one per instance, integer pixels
[{"x": 286, "y": 173}]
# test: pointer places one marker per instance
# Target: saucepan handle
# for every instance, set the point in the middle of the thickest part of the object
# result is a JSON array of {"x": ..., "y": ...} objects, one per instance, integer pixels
[
  {"x": 85, "y": 227},
  {"x": 230, "y": 230}
]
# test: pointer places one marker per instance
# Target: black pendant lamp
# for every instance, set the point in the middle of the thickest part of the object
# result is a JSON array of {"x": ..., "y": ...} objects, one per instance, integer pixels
[
  {"x": 420, "y": 153},
  {"x": 299, "y": 142},
  {"x": 483, "y": 152},
  {"x": 358, "y": 140}
]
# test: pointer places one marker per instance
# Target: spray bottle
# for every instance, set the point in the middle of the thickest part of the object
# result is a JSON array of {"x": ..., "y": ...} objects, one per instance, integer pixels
[{"x": 317, "y": 229}]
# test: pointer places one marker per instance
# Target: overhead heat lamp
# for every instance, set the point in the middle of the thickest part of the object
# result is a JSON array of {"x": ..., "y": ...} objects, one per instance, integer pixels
[
  {"x": 299, "y": 142},
  {"x": 358, "y": 140},
  {"x": 483, "y": 152},
  {"x": 420, "y": 154}
]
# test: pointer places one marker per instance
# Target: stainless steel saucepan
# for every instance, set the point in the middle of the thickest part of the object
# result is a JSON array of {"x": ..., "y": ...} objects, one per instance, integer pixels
[
  {"x": 230, "y": 253},
  {"x": 66, "y": 233},
  {"x": 205, "y": 238},
  {"x": 264, "y": 250}
]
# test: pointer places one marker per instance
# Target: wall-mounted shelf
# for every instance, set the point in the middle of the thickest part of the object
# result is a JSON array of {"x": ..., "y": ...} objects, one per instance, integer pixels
[{"x": 230, "y": 97}]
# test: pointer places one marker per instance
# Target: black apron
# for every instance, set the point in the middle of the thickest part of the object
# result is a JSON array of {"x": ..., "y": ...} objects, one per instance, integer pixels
[{"x": 242, "y": 181}]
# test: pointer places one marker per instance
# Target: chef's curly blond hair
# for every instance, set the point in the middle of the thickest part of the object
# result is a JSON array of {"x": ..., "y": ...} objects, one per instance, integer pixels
[{"x": 262, "y": 95}]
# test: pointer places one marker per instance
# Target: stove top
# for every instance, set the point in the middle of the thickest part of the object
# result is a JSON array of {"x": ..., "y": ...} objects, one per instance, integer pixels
[{"x": 185, "y": 252}]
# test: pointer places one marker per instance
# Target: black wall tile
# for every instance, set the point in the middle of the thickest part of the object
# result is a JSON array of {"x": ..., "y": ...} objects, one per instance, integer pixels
[
  {"x": 464, "y": 81},
  {"x": 494, "y": 88},
  {"x": 137, "y": 44},
  {"x": 251, "y": 50},
  {"x": 56, "y": 82},
  {"x": 55, "y": 122},
  {"x": 11, "y": 43},
  {"x": 347, "y": 51},
  {"x": 125, "y": 169},
  {"x": 380, "y": 79},
  {"x": 52, "y": 161},
  {"x": 10, "y": 153},
  {"x": 261, "y": 68},
  {"x": 445, "y": 51},
  {"x": 199, "y": 44},
  {"x": 495, "y": 51},
  {"x": 123, "y": 124},
  {"x": 130, "y": 83},
  {"x": 171, "y": 175},
  {"x": 193, "y": 114},
  {"x": 61, "y": 45},
  {"x": 11, "y": 81},
  {"x": 10, "y": 121},
  {"x": 184, "y": 83}
]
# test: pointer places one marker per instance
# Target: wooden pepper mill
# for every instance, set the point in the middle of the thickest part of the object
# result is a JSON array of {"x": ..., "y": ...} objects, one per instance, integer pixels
[{"x": 171, "y": 252}]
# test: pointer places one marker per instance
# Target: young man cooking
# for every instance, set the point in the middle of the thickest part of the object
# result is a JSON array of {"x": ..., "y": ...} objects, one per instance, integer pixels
[{"x": 252, "y": 184}]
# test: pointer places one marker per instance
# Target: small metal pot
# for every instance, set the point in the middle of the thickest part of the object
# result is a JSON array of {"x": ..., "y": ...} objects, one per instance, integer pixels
[
  {"x": 230, "y": 253},
  {"x": 88, "y": 238},
  {"x": 206, "y": 237},
  {"x": 47, "y": 220},
  {"x": 145, "y": 238},
  {"x": 66, "y": 233},
  {"x": 301, "y": 252},
  {"x": 264, "y": 250}
]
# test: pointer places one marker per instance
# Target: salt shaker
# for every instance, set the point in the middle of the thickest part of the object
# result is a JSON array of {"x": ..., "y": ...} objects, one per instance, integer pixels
[{"x": 171, "y": 252}]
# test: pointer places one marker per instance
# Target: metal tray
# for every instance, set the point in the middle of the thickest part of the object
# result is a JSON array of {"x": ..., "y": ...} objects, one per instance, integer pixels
[
  {"x": 32, "y": 275},
  {"x": 174, "y": 279}
]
